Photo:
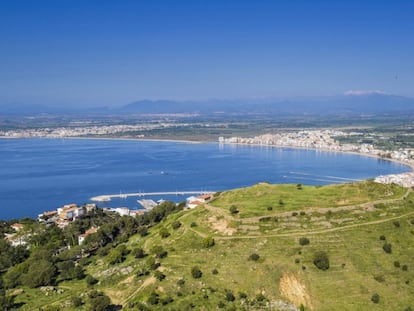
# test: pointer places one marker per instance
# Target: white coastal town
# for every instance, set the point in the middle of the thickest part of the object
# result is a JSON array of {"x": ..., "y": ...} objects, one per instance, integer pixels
[{"x": 324, "y": 140}]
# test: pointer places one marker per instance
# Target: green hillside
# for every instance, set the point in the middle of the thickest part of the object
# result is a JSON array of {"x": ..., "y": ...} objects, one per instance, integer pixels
[{"x": 258, "y": 248}]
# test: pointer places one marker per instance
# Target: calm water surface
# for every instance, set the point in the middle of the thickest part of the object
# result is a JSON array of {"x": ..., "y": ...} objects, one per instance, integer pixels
[{"x": 42, "y": 174}]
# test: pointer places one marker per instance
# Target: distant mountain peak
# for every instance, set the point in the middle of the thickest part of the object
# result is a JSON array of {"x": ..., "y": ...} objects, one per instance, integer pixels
[{"x": 365, "y": 92}]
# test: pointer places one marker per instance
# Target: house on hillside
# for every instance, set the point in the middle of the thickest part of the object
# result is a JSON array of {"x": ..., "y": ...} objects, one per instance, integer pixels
[{"x": 88, "y": 232}]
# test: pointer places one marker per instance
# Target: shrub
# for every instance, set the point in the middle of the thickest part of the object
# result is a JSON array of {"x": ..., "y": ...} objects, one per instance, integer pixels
[
  {"x": 230, "y": 296},
  {"x": 90, "y": 280},
  {"x": 76, "y": 301},
  {"x": 208, "y": 242},
  {"x": 164, "y": 233},
  {"x": 412, "y": 221},
  {"x": 375, "y": 298},
  {"x": 153, "y": 299},
  {"x": 281, "y": 203},
  {"x": 175, "y": 225},
  {"x": 214, "y": 271},
  {"x": 396, "y": 223},
  {"x": 159, "y": 275},
  {"x": 269, "y": 208},
  {"x": 379, "y": 278},
  {"x": 138, "y": 252},
  {"x": 387, "y": 247},
  {"x": 159, "y": 251},
  {"x": 233, "y": 210},
  {"x": 382, "y": 237},
  {"x": 302, "y": 213},
  {"x": 196, "y": 272},
  {"x": 396, "y": 264},
  {"x": 254, "y": 257},
  {"x": 294, "y": 214},
  {"x": 404, "y": 267},
  {"x": 297, "y": 260},
  {"x": 242, "y": 295},
  {"x": 299, "y": 186},
  {"x": 193, "y": 224},
  {"x": 180, "y": 282},
  {"x": 304, "y": 241},
  {"x": 321, "y": 261}
]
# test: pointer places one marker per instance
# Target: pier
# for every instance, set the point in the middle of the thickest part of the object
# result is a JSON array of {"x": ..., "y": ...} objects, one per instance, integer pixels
[{"x": 109, "y": 197}]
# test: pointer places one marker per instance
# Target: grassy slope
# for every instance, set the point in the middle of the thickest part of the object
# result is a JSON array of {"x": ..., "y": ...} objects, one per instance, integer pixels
[{"x": 340, "y": 220}]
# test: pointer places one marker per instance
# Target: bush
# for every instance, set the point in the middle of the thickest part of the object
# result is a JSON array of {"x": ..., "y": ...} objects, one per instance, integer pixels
[
  {"x": 193, "y": 224},
  {"x": 304, "y": 241},
  {"x": 164, "y": 233},
  {"x": 159, "y": 275},
  {"x": 159, "y": 251},
  {"x": 299, "y": 186},
  {"x": 208, "y": 242},
  {"x": 76, "y": 301},
  {"x": 321, "y": 261},
  {"x": 281, "y": 203},
  {"x": 90, "y": 280},
  {"x": 297, "y": 260},
  {"x": 196, "y": 272},
  {"x": 233, "y": 210},
  {"x": 214, "y": 271},
  {"x": 412, "y": 221},
  {"x": 375, "y": 298},
  {"x": 396, "y": 223},
  {"x": 242, "y": 295},
  {"x": 387, "y": 247},
  {"x": 269, "y": 208},
  {"x": 180, "y": 282},
  {"x": 294, "y": 214},
  {"x": 230, "y": 296},
  {"x": 254, "y": 257},
  {"x": 396, "y": 264},
  {"x": 153, "y": 298},
  {"x": 138, "y": 253},
  {"x": 382, "y": 237},
  {"x": 176, "y": 224},
  {"x": 404, "y": 267}
]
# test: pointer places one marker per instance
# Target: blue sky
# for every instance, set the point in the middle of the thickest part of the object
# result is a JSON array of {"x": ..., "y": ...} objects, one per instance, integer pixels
[{"x": 114, "y": 52}]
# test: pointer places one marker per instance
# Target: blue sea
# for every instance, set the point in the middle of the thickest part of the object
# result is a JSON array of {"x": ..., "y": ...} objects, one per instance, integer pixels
[{"x": 37, "y": 175}]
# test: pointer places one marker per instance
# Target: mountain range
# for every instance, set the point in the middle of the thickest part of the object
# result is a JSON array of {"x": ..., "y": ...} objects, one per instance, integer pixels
[{"x": 351, "y": 103}]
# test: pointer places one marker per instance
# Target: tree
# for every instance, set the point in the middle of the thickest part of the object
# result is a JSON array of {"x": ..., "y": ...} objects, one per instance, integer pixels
[
  {"x": 254, "y": 257},
  {"x": 138, "y": 253},
  {"x": 387, "y": 247},
  {"x": 196, "y": 272},
  {"x": 98, "y": 301},
  {"x": 208, "y": 242},
  {"x": 321, "y": 260},
  {"x": 233, "y": 210},
  {"x": 304, "y": 241},
  {"x": 375, "y": 298},
  {"x": 164, "y": 233},
  {"x": 40, "y": 273}
]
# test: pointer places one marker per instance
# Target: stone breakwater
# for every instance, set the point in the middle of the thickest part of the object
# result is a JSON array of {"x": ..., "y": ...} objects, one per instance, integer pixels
[{"x": 324, "y": 140}]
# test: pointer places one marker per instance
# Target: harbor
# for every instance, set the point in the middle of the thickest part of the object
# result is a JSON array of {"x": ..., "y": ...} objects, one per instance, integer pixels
[{"x": 109, "y": 197}]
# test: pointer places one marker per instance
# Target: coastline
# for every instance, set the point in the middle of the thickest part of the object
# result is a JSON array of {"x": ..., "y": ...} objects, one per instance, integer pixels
[{"x": 408, "y": 164}]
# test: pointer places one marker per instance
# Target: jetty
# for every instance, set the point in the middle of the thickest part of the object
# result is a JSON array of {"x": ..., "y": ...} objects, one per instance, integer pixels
[{"x": 109, "y": 197}]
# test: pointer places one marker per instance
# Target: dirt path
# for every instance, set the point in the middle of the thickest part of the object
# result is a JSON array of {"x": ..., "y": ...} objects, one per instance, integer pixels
[{"x": 147, "y": 282}]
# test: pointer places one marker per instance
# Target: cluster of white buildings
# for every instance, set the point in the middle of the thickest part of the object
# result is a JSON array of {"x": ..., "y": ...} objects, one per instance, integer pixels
[
  {"x": 61, "y": 132},
  {"x": 303, "y": 139},
  {"x": 324, "y": 140},
  {"x": 65, "y": 214}
]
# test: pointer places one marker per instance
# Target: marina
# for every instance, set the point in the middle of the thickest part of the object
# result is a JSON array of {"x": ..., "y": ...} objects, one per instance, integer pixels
[{"x": 109, "y": 197}]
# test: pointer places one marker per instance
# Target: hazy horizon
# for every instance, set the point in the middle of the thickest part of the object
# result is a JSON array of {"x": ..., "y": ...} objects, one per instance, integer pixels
[{"x": 105, "y": 53}]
